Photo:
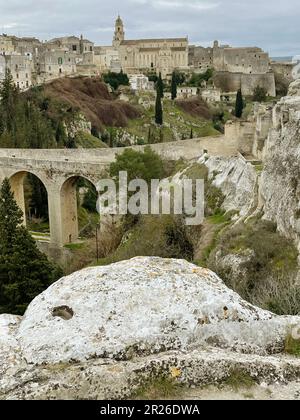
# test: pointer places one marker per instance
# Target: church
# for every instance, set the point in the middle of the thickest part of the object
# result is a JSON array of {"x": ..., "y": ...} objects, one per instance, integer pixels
[{"x": 160, "y": 55}]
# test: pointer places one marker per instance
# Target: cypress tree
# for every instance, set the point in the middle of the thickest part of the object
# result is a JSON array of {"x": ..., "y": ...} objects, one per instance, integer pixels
[
  {"x": 158, "y": 109},
  {"x": 239, "y": 104},
  {"x": 160, "y": 86},
  {"x": 24, "y": 271},
  {"x": 174, "y": 86}
]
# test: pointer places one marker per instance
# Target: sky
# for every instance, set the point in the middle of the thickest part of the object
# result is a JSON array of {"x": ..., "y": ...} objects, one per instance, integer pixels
[{"x": 273, "y": 25}]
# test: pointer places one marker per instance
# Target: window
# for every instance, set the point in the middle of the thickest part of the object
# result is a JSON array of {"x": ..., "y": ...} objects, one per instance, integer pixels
[
  {"x": 26, "y": 75},
  {"x": 17, "y": 75},
  {"x": 60, "y": 61},
  {"x": 74, "y": 47},
  {"x": 91, "y": 48}
]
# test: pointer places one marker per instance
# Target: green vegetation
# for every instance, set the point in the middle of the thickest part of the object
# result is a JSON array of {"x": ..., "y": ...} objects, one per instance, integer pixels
[
  {"x": 88, "y": 141},
  {"x": 292, "y": 346},
  {"x": 174, "y": 86},
  {"x": 75, "y": 246},
  {"x": 158, "y": 108},
  {"x": 269, "y": 266},
  {"x": 259, "y": 94},
  {"x": 146, "y": 165},
  {"x": 160, "y": 236},
  {"x": 160, "y": 87},
  {"x": 239, "y": 104},
  {"x": 24, "y": 271},
  {"x": 160, "y": 388},
  {"x": 196, "y": 79},
  {"x": 37, "y": 120},
  {"x": 239, "y": 379},
  {"x": 22, "y": 122},
  {"x": 178, "y": 124},
  {"x": 116, "y": 79}
]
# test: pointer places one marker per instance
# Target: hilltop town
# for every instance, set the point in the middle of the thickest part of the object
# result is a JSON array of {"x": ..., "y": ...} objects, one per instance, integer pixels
[{"x": 33, "y": 62}]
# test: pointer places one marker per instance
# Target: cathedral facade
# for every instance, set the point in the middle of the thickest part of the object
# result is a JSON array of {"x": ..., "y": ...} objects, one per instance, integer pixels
[{"x": 158, "y": 55}]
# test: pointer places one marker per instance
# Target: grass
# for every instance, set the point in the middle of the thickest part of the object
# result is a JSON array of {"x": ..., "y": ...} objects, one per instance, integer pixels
[
  {"x": 41, "y": 228},
  {"x": 159, "y": 389},
  {"x": 292, "y": 346},
  {"x": 174, "y": 118},
  {"x": 159, "y": 236},
  {"x": 87, "y": 141},
  {"x": 75, "y": 246},
  {"x": 239, "y": 379},
  {"x": 259, "y": 168}
]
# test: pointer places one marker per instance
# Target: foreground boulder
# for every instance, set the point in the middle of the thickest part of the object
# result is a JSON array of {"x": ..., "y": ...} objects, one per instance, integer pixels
[
  {"x": 105, "y": 330},
  {"x": 140, "y": 307}
]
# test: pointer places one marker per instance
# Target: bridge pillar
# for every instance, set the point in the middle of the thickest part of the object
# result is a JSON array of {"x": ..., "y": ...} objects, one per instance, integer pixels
[
  {"x": 63, "y": 216},
  {"x": 69, "y": 214},
  {"x": 55, "y": 218}
]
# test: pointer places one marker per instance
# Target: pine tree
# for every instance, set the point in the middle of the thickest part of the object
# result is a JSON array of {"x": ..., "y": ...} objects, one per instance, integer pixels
[
  {"x": 8, "y": 96},
  {"x": 174, "y": 86},
  {"x": 24, "y": 271},
  {"x": 239, "y": 104},
  {"x": 61, "y": 135},
  {"x": 158, "y": 109},
  {"x": 160, "y": 86}
]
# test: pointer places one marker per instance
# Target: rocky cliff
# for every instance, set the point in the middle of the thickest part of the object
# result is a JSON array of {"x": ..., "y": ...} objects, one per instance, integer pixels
[{"x": 280, "y": 183}]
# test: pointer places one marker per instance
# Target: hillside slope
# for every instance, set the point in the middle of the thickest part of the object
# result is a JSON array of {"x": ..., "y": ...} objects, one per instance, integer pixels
[{"x": 92, "y": 98}]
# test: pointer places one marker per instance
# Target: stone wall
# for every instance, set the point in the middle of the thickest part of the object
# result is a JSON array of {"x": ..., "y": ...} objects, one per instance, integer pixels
[
  {"x": 232, "y": 82},
  {"x": 242, "y": 133}
]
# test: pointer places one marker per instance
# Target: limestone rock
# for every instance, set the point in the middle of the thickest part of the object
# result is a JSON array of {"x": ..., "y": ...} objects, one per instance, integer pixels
[
  {"x": 140, "y": 307},
  {"x": 9, "y": 347},
  {"x": 237, "y": 180},
  {"x": 280, "y": 186}
]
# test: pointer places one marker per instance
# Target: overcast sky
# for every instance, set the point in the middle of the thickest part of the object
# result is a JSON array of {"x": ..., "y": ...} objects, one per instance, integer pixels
[{"x": 273, "y": 25}]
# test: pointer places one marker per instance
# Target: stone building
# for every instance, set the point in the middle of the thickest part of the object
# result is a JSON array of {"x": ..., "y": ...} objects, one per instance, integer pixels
[
  {"x": 20, "y": 67},
  {"x": 107, "y": 59},
  {"x": 6, "y": 44},
  {"x": 283, "y": 68},
  {"x": 140, "y": 82},
  {"x": 157, "y": 55},
  {"x": 247, "y": 60},
  {"x": 184, "y": 92},
  {"x": 54, "y": 64},
  {"x": 71, "y": 44},
  {"x": 235, "y": 68}
]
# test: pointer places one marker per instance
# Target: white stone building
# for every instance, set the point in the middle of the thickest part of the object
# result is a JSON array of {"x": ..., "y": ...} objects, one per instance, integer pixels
[
  {"x": 20, "y": 67},
  {"x": 184, "y": 92},
  {"x": 140, "y": 82}
]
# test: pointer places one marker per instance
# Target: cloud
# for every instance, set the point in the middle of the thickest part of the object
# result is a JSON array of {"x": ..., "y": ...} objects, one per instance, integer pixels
[{"x": 270, "y": 24}]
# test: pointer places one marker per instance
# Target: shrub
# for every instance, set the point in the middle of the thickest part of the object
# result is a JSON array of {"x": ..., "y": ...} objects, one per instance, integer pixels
[{"x": 259, "y": 94}]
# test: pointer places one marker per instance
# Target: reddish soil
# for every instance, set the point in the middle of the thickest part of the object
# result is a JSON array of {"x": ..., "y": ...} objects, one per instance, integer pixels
[
  {"x": 195, "y": 107},
  {"x": 92, "y": 98}
]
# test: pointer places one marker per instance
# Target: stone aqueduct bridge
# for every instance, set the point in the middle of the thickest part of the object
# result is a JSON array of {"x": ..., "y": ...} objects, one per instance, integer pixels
[{"x": 58, "y": 170}]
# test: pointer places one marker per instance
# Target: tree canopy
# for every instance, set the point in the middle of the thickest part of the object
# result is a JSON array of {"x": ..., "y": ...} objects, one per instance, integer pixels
[{"x": 24, "y": 271}]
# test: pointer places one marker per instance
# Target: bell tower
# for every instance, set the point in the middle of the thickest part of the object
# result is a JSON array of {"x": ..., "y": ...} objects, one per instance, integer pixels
[{"x": 119, "y": 32}]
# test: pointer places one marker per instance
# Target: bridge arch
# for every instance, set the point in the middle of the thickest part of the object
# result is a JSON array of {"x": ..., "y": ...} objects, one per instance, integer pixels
[
  {"x": 17, "y": 181},
  {"x": 69, "y": 207}
]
